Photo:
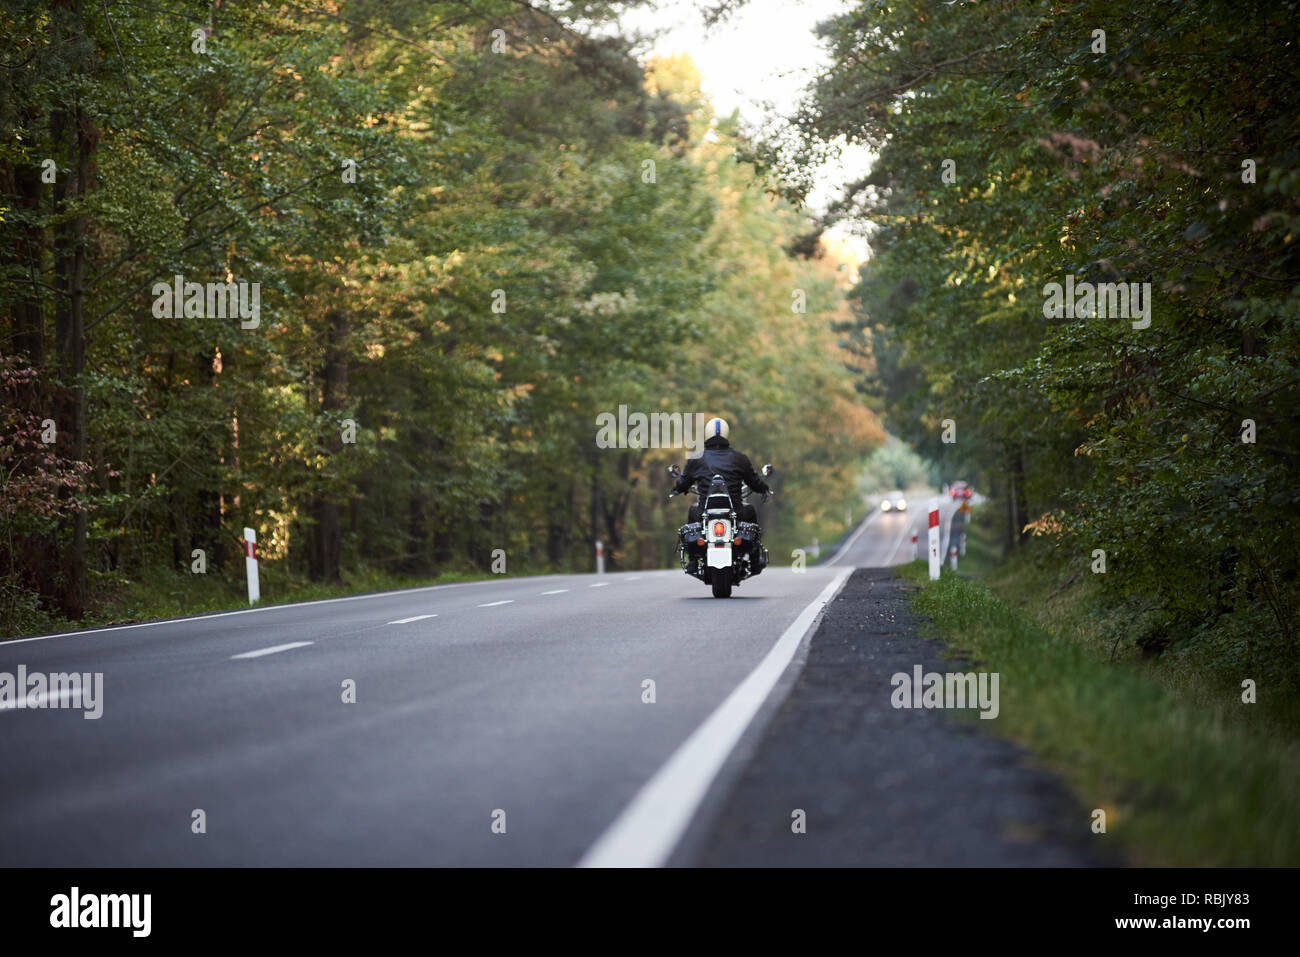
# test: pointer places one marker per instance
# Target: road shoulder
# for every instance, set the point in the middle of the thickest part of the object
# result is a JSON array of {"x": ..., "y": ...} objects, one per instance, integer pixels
[{"x": 880, "y": 786}]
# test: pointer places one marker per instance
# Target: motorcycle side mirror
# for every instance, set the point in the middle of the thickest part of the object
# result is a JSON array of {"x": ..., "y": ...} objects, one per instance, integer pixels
[
  {"x": 675, "y": 470},
  {"x": 767, "y": 469}
]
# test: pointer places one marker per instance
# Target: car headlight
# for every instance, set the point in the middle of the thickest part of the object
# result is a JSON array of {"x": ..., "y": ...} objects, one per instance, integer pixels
[{"x": 884, "y": 506}]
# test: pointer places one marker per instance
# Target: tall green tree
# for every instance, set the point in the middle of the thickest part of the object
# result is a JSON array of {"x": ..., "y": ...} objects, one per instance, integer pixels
[{"x": 1023, "y": 144}]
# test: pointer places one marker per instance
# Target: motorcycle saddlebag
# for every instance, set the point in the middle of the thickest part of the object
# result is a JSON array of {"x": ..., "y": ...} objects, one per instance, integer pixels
[
  {"x": 751, "y": 534},
  {"x": 690, "y": 533}
]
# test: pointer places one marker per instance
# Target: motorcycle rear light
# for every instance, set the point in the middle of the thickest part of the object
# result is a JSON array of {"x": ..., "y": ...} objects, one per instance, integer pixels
[
  {"x": 738, "y": 540},
  {"x": 700, "y": 541},
  {"x": 719, "y": 528}
]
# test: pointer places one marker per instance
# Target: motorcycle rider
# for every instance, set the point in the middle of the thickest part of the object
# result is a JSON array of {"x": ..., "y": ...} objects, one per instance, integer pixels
[{"x": 719, "y": 458}]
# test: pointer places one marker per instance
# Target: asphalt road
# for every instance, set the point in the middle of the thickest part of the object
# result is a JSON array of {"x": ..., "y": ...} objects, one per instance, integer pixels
[
  {"x": 883, "y": 539},
  {"x": 502, "y": 722}
]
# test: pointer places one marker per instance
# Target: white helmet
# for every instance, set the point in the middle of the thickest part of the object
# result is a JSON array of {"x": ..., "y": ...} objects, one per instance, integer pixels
[{"x": 714, "y": 427}]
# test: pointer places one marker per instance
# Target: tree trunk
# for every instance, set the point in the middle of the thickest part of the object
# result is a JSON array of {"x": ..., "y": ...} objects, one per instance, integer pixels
[
  {"x": 558, "y": 521},
  {"x": 1017, "y": 508},
  {"x": 70, "y": 328},
  {"x": 327, "y": 537},
  {"x": 1022, "y": 502},
  {"x": 208, "y": 530},
  {"x": 24, "y": 182},
  {"x": 594, "y": 526},
  {"x": 420, "y": 558},
  {"x": 614, "y": 514},
  {"x": 1012, "y": 537}
]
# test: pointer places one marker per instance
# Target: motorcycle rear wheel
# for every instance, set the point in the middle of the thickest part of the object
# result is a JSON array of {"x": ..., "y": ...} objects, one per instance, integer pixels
[{"x": 722, "y": 583}]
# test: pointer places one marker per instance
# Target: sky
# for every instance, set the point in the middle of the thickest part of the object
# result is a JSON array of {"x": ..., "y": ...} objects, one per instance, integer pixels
[{"x": 766, "y": 51}]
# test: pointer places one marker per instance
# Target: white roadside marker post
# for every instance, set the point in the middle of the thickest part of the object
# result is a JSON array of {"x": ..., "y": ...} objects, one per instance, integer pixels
[
  {"x": 952, "y": 557},
  {"x": 600, "y": 557},
  {"x": 934, "y": 541},
  {"x": 250, "y": 565},
  {"x": 915, "y": 553},
  {"x": 962, "y": 548}
]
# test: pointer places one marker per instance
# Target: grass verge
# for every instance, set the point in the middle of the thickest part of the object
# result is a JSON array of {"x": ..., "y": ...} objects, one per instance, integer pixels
[{"x": 1181, "y": 784}]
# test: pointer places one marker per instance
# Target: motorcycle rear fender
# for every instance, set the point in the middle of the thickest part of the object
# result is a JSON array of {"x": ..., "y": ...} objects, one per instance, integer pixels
[{"x": 718, "y": 557}]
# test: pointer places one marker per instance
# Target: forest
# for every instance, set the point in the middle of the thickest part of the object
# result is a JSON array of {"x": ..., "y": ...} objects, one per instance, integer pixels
[
  {"x": 362, "y": 276},
  {"x": 1027, "y": 149},
  {"x": 365, "y": 277}
]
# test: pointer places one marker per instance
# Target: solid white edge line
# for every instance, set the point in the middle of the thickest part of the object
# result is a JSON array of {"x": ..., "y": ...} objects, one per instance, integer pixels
[
  {"x": 272, "y": 650},
  {"x": 852, "y": 538},
  {"x": 648, "y": 829},
  {"x": 407, "y": 621}
]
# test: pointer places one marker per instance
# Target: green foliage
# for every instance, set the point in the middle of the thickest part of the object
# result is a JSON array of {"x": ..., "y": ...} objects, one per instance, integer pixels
[
  {"x": 893, "y": 466},
  {"x": 1119, "y": 165},
  {"x": 460, "y": 258}
]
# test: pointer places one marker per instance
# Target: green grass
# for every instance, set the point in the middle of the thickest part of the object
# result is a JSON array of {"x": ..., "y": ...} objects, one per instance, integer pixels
[
  {"x": 1070, "y": 603},
  {"x": 1183, "y": 783}
]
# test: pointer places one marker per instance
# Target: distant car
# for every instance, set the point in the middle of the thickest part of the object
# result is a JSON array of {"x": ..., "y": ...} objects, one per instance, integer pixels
[
  {"x": 960, "y": 490},
  {"x": 894, "y": 501}
]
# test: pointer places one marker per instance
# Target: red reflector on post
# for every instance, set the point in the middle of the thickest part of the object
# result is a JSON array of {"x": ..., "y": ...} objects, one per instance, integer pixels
[{"x": 934, "y": 518}]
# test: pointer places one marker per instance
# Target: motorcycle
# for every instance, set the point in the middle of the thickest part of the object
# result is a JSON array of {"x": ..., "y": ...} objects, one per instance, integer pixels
[{"x": 719, "y": 550}]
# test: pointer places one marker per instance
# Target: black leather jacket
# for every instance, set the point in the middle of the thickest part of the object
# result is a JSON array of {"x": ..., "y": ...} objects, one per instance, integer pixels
[{"x": 719, "y": 458}]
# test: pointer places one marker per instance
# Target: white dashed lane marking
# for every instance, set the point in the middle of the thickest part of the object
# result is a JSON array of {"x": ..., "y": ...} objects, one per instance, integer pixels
[
  {"x": 272, "y": 650},
  {"x": 508, "y": 601},
  {"x": 407, "y": 621}
]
